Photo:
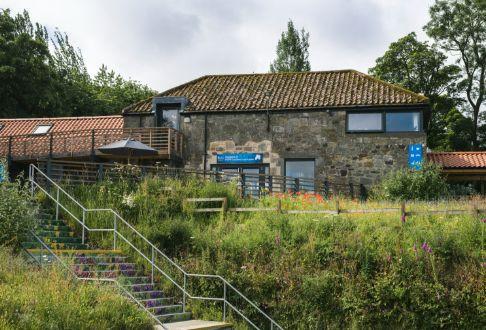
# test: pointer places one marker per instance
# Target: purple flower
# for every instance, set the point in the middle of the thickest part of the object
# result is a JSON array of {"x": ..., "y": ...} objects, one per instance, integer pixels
[
  {"x": 483, "y": 220},
  {"x": 426, "y": 247}
]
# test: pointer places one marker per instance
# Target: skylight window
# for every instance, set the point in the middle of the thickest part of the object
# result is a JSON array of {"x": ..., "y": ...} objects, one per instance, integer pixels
[{"x": 42, "y": 129}]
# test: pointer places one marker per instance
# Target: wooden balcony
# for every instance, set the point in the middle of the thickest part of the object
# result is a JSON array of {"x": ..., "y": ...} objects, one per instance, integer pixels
[{"x": 167, "y": 141}]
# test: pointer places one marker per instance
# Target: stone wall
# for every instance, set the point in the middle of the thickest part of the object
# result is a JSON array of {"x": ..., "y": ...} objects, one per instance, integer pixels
[{"x": 339, "y": 156}]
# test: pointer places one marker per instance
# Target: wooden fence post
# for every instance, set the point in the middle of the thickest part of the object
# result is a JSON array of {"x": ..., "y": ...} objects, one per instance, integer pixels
[
  {"x": 279, "y": 206},
  {"x": 337, "y": 206}
]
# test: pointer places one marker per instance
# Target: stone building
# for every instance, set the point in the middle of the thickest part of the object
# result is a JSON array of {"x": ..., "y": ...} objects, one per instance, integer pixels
[{"x": 343, "y": 126}]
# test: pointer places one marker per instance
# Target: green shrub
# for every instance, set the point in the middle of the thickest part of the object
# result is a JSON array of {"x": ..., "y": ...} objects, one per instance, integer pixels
[
  {"x": 16, "y": 213},
  {"x": 406, "y": 184},
  {"x": 51, "y": 299}
]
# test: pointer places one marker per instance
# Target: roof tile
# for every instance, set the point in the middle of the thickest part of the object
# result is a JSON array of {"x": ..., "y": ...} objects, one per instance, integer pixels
[
  {"x": 297, "y": 90},
  {"x": 459, "y": 159}
]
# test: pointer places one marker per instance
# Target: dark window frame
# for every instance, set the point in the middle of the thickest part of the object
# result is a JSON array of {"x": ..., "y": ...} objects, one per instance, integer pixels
[{"x": 383, "y": 121}]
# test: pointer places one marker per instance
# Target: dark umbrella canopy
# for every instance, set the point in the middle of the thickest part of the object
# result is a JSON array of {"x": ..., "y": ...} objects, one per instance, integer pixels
[{"x": 128, "y": 148}]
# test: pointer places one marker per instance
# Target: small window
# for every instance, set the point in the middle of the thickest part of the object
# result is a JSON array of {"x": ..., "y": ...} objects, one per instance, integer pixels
[
  {"x": 42, "y": 129},
  {"x": 365, "y": 122},
  {"x": 402, "y": 121}
]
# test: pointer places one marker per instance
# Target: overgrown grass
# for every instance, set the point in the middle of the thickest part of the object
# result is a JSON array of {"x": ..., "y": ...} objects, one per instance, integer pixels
[
  {"x": 317, "y": 271},
  {"x": 33, "y": 298}
]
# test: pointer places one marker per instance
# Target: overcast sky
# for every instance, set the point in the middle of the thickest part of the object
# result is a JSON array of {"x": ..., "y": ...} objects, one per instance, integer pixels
[{"x": 164, "y": 43}]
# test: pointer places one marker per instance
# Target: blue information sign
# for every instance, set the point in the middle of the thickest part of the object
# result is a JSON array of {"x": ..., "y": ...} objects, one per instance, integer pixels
[
  {"x": 2, "y": 173},
  {"x": 242, "y": 158},
  {"x": 415, "y": 156}
]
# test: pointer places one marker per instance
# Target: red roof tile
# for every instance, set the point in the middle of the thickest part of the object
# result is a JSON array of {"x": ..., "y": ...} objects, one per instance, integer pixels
[
  {"x": 294, "y": 90},
  {"x": 459, "y": 159},
  {"x": 25, "y": 126}
]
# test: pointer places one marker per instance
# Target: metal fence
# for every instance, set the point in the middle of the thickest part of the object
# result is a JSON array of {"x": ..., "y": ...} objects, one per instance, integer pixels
[{"x": 253, "y": 185}]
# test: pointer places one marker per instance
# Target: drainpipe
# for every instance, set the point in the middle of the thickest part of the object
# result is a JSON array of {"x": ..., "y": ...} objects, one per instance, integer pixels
[{"x": 205, "y": 142}]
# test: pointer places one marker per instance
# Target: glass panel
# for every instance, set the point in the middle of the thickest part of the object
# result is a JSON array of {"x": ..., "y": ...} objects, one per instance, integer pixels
[
  {"x": 171, "y": 118},
  {"x": 42, "y": 129},
  {"x": 402, "y": 121},
  {"x": 365, "y": 122},
  {"x": 299, "y": 168}
]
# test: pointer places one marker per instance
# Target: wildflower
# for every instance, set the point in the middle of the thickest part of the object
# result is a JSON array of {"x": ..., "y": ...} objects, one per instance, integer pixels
[
  {"x": 128, "y": 200},
  {"x": 483, "y": 220},
  {"x": 243, "y": 267},
  {"x": 426, "y": 247}
]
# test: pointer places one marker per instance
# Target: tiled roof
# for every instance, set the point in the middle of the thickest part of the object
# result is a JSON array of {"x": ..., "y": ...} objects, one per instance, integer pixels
[
  {"x": 298, "y": 90},
  {"x": 459, "y": 159},
  {"x": 24, "y": 126}
]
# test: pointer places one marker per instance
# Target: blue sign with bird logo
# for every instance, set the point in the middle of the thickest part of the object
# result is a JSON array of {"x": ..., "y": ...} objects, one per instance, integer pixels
[{"x": 415, "y": 156}]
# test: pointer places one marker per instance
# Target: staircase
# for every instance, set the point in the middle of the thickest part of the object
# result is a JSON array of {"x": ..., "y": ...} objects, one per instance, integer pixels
[
  {"x": 57, "y": 241},
  {"x": 92, "y": 263}
]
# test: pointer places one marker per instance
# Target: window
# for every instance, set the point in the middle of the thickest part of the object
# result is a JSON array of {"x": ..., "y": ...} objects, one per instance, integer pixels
[
  {"x": 363, "y": 122},
  {"x": 42, "y": 129},
  {"x": 299, "y": 168},
  {"x": 171, "y": 117},
  {"x": 402, "y": 121},
  {"x": 385, "y": 121}
]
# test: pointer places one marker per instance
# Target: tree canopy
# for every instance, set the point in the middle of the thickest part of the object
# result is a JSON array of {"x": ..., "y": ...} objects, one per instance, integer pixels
[
  {"x": 292, "y": 51},
  {"x": 43, "y": 75}
]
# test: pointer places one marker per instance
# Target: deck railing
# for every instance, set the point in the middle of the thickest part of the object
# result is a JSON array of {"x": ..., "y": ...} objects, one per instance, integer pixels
[{"x": 168, "y": 141}]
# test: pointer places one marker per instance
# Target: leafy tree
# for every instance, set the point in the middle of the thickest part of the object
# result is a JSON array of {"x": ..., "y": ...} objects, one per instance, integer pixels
[
  {"x": 458, "y": 131},
  {"x": 423, "y": 69},
  {"x": 25, "y": 68},
  {"x": 292, "y": 51},
  {"x": 459, "y": 27},
  {"x": 36, "y": 81},
  {"x": 112, "y": 92}
]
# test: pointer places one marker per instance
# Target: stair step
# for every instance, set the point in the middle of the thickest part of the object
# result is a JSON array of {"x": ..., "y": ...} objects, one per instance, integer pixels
[
  {"x": 53, "y": 223},
  {"x": 55, "y": 228},
  {"x": 56, "y": 233},
  {"x": 152, "y": 302},
  {"x": 104, "y": 273},
  {"x": 108, "y": 266},
  {"x": 73, "y": 252},
  {"x": 55, "y": 246},
  {"x": 148, "y": 294},
  {"x": 62, "y": 239},
  {"x": 165, "y": 309},
  {"x": 196, "y": 325},
  {"x": 174, "y": 317},
  {"x": 134, "y": 279},
  {"x": 139, "y": 287}
]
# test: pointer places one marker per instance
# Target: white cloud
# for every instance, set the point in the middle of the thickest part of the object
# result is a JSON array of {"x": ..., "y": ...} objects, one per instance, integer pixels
[{"x": 164, "y": 43}]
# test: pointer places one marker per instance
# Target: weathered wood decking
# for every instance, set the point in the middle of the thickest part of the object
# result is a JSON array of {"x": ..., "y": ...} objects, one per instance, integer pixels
[{"x": 167, "y": 141}]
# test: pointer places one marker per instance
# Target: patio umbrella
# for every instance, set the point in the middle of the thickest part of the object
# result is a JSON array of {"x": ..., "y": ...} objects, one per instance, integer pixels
[{"x": 128, "y": 148}]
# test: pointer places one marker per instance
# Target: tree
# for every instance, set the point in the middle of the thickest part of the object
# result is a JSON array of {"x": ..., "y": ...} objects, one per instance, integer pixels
[
  {"x": 25, "y": 68},
  {"x": 459, "y": 27},
  {"x": 41, "y": 81},
  {"x": 292, "y": 51},
  {"x": 423, "y": 69},
  {"x": 113, "y": 93}
]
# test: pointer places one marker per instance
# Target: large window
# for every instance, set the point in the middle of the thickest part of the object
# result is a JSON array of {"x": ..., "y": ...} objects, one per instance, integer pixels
[
  {"x": 402, "y": 121},
  {"x": 385, "y": 121},
  {"x": 299, "y": 168},
  {"x": 363, "y": 122}
]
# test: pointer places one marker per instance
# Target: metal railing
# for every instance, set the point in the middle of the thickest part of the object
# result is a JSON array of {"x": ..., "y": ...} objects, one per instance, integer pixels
[
  {"x": 181, "y": 280},
  {"x": 44, "y": 246},
  {"x": 167, "y": 141},
  {"x": 254, "y": 185}
]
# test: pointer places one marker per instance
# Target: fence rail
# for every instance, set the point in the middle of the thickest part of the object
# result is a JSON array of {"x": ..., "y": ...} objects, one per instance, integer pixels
[
  {"x": 253, "y": 185},
  {"x": 167, "y": 141}
]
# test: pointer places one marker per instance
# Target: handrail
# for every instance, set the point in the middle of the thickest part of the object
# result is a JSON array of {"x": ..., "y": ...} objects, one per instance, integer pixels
[
  {"x": 125, "y": 291},
  {"x": 226, "y": 284}
]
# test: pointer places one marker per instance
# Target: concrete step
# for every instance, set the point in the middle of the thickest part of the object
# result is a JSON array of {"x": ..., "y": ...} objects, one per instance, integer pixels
[
  {"x": 165, "y": 309},
  {"x": 196, "y": 325},
  {"x": 55, "y": 246},
  {"x": 174, "y": 317}
]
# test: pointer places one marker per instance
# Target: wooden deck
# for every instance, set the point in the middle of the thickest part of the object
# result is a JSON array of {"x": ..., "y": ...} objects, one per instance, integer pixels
[{"x": 167, "y": 141}]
